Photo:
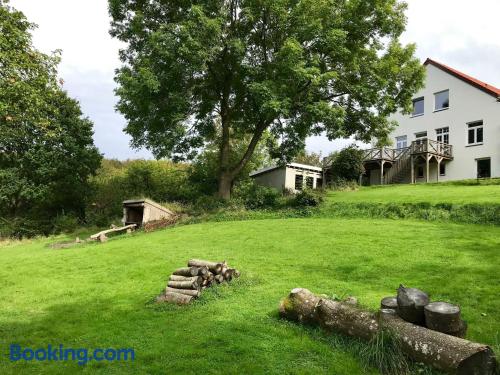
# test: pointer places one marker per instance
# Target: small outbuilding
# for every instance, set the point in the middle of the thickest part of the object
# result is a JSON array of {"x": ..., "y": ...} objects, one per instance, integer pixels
[
  {"x": 292, "y": 176},
  {"x": 143, "y": 211}
]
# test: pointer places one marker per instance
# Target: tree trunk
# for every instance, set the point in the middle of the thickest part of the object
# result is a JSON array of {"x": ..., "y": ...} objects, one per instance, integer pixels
[
  {"x": 445, "y": 352},
  {"x": 187, "y": 292},
  {"x": 180, "y": 299},
  {"x": 225, "y": 184}
]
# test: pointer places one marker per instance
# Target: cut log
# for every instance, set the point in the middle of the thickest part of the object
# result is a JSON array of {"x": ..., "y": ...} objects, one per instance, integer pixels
[
  {"x": 236, "y": 273},
  {"x": 188, "y": 292},
  {"x": 184, "y": 285},
  {"x": 219, "y": 278},
  {"x": 443, "y": 317},
  {"x": 411, "y": 302},
  {"x": 444, "y": 352},
  {"x": 187, "y": 271},
  {"x": 228, "y": 274},
  {"x": 300, "y": 305},
  {"x": 212, "y": 266},
  {"x": 197, "y": 279},
  {"x": 203, "y": 272},
  {"x": 389, "y": 303},
  {"x": 177, "y": 298},
  {"x": 350, "y": 300}
]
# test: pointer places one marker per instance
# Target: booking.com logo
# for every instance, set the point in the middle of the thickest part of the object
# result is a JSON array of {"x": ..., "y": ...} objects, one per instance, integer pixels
[{"x": 60, "y": 353}]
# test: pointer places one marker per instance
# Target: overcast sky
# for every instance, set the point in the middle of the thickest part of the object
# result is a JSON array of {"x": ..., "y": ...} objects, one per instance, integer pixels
[{"x": 462, "y": 34}]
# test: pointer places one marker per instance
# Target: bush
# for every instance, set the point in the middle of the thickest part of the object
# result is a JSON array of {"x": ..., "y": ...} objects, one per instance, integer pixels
[
  {"x": 254, "y": 196},
  {"x": 308, "y": 198},
  {"x": 348, "y": 164}
]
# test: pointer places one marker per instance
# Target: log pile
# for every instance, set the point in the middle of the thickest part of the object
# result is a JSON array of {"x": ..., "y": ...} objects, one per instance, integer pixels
[
  {"x": 440, "y": 350},
  {"x": 186, "y": 283}
]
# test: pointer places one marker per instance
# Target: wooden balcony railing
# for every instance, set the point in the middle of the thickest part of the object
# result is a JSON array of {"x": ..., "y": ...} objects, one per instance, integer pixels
[{"x": 416, "y": 147}]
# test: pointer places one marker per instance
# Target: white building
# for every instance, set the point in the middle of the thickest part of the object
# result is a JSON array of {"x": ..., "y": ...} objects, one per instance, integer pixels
[
  {"x": 452, "y": 134},
  {"x": 292, "y": 177}
]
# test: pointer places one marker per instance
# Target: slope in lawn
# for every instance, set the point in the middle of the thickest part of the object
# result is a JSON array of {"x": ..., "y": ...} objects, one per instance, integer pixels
[{"x": 97, "y": 296}]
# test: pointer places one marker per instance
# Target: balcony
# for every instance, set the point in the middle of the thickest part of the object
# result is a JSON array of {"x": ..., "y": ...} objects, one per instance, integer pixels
[{"x": 420, "y": 147}]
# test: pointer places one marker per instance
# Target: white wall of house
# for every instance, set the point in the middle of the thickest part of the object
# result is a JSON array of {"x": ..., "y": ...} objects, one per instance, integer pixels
[
  {"x": 284, "y": 177},
  {"x": 467, "y": 104}
]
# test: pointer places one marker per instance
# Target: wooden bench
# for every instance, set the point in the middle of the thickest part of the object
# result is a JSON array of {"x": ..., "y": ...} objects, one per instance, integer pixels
[{"x": 101, "y": 236}]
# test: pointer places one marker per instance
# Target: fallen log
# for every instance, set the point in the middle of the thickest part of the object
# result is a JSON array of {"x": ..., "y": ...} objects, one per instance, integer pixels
[
  {"x": 187, "y": 271},
  {"x": 179, "y": 299},
  {"x": 411, "y": 302},
  {"x": 442, "y": 351},
  {"x": 212, "y": 266},
  {"x": 203, "y": 272},
  {"x": 184, "y": 285},
  {"x": 443, "y": 317},
  {"x": 188, "y": 292},
  {"x": 219, "y": 278},
  {"x": 197, "y": 279},
  {"x": 445, "y": 352}
]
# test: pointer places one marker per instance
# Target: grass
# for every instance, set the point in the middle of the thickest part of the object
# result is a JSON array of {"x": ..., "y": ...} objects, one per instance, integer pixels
[
  {"x": 462, "y": 192},
  {"x": 99, "y": 295}
]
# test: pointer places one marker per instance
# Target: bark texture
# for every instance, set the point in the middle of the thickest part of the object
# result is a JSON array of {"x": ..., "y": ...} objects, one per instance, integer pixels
[
  {"x": 188, "y": 292},
  {"x": 179, "y": 299},
  {"x": 186, "y": 271}
]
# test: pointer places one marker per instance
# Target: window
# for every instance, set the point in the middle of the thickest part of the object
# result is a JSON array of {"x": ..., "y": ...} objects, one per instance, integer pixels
[
  {"x": 442, "y": 169},
  {"x": 401, "y": 142},
  {"x": 475, "y": 133},
  {"x": 420, "y": 137},
  {"x": 299, "y": 179},
  {"x": 309, "y": 182},
  {"x": 420, "y": 171},
  {"x": 443, "y": 135},
  {"x": 418, "y": 107},
  {"x": 484, "y": 168},
  {"x": 442, "y": 100}
]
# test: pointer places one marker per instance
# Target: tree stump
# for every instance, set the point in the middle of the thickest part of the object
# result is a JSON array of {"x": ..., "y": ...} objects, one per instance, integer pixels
[
  {"x": 411, "y": 302},
  {"x": 444, "y": 317},
  {"x": 389, "y": 303}
]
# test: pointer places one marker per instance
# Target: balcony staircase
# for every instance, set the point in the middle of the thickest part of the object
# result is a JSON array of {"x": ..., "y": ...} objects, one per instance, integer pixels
[{"x": 400, "y": 168}]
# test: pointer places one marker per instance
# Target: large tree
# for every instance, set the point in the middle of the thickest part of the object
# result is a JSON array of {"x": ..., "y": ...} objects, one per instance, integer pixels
[
  {"x": 292, "y": 67},
  {"x": 46, "y": 146}
]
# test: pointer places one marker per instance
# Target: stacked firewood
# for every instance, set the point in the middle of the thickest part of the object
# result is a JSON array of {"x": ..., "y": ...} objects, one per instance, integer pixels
[
  {"x": 187, "y": 283},
  {"x": 414, "y": 306}
]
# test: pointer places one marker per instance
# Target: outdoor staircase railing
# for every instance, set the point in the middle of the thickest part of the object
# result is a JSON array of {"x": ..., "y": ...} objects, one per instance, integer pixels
[{"x": 401, "y": 164}]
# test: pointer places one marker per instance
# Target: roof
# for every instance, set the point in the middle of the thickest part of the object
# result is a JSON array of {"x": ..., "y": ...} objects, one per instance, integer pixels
[
  {"x": 489, "y": 89},
  {"x": 144, "y": 201},
  {"x": 289, "y": 165}
]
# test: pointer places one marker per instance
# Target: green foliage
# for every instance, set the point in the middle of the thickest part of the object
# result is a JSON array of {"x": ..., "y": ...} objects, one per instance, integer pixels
[
  {"x": 117, "y": 181},
  {"x": 195, "y": 70},
  {"x": 308, "y": 198},
  {"x": 348, "y": 164},
  {"x": 255, "y": 196},
  {"x": 46, "y": 146},
  {"x": 312, "y": 158}
]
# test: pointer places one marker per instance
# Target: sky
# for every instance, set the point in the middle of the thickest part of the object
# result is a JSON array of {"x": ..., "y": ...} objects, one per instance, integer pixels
[{"x": 461, "y": 34}]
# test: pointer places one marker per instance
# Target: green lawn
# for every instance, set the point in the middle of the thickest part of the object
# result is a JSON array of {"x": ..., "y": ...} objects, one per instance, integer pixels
[
  {"x": 455, "y": 193},
  {"x": 98, "y": 295}
]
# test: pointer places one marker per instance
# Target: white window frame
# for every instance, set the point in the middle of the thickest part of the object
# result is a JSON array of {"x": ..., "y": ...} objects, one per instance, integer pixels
[
  {"x": 435, "y": 97},
  {"x": 401, "y": 142},
  {"x": 413, "y": 114},
  {"x": 444, "y": 133},
  {"x": 419, "y": 139},
  {"x": 474, "y": 125}
]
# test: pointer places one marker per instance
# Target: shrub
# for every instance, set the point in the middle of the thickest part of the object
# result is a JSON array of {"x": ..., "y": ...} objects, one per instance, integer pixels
[
  {"x": 308, "y": 198},
  {"x": 348, "y": 164},
  {"x": 254, "y": 196}
]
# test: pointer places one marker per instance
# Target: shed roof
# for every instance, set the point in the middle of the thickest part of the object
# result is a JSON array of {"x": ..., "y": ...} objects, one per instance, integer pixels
[
  {"x": 289, "y": 165},
  {"x": 145, "y": 201}
]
